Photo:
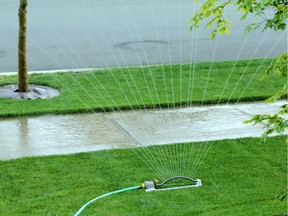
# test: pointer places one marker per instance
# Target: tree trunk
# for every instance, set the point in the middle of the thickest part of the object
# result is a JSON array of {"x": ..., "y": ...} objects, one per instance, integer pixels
[{"x": 22, "y": 61}]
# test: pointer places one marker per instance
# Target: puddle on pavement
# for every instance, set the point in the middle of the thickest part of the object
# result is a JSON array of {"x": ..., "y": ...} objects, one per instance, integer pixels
[
  {"x": 64, "y": 134},
  {"x": 187, "y": 124}
]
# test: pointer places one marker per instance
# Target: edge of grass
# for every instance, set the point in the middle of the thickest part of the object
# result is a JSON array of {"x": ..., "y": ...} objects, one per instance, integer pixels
[{"x": 7, "y": 105}]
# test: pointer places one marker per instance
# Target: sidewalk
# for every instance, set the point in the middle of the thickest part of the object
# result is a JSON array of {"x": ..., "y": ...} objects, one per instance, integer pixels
[{"x": 65, "y": 134}]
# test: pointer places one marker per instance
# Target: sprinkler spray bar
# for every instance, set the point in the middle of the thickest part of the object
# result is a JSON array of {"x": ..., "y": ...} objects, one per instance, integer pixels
[{"x": 153, "y": 185}]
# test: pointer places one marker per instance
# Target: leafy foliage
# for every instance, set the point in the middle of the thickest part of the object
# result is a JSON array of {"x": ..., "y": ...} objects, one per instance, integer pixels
[
  {"x": 213, "y": 10},
  {"x": 277, "y": 122},
  {"x": 280, "y": 66},
  {"x": 274, "y": 123}
]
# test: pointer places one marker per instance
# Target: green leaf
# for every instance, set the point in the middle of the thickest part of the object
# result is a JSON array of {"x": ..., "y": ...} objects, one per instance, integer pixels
[
  {"x": 227, "y": 31},
  {"x": 212, "y": 36}
]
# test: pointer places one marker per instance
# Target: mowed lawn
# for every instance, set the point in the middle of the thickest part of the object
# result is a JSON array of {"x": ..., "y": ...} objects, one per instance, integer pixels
[
  {"x": 240, "y": 177},
  {"x": 148, "y": 87}
]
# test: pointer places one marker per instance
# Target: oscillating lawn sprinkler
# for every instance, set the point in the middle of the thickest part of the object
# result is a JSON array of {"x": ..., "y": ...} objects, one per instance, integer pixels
[{"x": 154, "y": 185}]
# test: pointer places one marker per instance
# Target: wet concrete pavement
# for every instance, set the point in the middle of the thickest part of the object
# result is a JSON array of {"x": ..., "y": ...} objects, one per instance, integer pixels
[{"x": 65, "y": 134}]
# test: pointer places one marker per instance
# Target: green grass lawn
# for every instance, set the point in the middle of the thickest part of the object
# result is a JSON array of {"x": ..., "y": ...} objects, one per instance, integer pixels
[
  {"x": 240, "y": 177},
  {"x": 155, "y": 86}
]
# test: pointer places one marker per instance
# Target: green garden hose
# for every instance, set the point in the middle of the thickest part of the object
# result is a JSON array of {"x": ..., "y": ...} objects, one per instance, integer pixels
[{"x": 104, "y": 195}]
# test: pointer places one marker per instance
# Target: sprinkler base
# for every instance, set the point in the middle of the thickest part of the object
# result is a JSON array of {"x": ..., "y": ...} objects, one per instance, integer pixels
[{"x": 154, "y": 186}]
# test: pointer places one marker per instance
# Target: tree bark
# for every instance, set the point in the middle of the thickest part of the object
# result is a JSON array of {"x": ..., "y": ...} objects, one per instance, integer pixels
[{"x": 22, "y": 58}]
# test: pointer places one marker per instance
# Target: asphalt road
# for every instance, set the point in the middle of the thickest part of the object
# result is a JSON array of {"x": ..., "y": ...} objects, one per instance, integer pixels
[{"x": 105, "y": 33}]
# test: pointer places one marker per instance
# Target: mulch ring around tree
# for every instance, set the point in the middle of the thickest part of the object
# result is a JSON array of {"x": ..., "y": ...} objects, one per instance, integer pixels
[{"x": 35, "y": 92}]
